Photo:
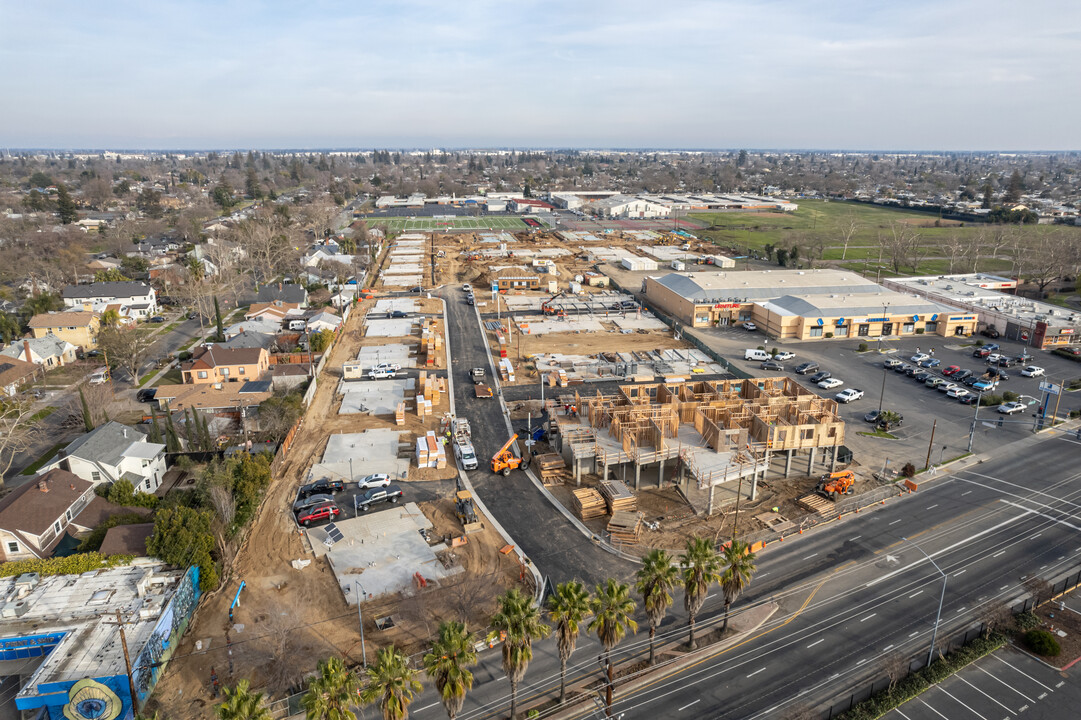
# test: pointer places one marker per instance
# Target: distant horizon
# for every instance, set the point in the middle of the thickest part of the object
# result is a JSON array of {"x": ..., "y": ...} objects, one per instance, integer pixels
[{"x": 521, "y": 148}]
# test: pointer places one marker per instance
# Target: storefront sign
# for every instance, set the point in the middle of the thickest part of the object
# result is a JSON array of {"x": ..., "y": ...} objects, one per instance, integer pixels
[
  {"x": 960, "y": 318},
  {"x": 726, "y": 306}
]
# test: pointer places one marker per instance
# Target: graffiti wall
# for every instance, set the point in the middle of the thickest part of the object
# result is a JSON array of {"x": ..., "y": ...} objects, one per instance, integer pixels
[{"x": 148, "y": 666}]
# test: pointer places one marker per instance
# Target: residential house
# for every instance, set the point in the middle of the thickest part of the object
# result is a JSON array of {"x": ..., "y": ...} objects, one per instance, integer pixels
[
  {"x": 263, "y": 324},
  {"x": 48, "y": 351},
  {"x": 283, "y": 293},
  {"x": 237, "y": 400},
  {"x": 323, "y": 320},
  {"x": 14, "y": 373},
  {"x": 127, "y": 540},
  {"x": 35, "y": 516},
  {"x": 246, "y": 338},
  {"x": 78, "y": 328},
  {"x": 273, "y": 310},
  {"x": 215, "y": 364},
  {"x": 136, "y": 298},
  {"x": 114, "y": 452}
]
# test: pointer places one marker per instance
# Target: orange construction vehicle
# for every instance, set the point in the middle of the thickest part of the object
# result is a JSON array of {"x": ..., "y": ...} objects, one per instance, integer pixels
[
  {"x": 546, "y": 307},
  {"x": 504, "y": 460},
  {"x": 837, "y": 483}
]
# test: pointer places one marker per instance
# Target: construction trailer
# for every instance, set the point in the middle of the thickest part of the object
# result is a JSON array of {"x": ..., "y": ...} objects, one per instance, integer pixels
[{"x": 716, "y": 438}]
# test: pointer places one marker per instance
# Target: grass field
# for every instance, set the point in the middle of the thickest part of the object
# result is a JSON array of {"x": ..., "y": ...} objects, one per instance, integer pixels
[{"x": 403, "y": 224}]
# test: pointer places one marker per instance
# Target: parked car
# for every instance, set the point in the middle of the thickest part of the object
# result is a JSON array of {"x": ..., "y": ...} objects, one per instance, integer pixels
[
  {"x": 951, "y": 370},
  {"x": 961, "y": 374},
  {"x": 848, "y": 395},
  {"x": 1011, "y": 408},
  {"x": 303, "y": 503},
  {"x": 158, "y": 319},
  {"x": 467, "y": 288},
  {"x": 373, "y": 481},
  {"x": 947, "y": 386},
  {"x": 1032, "y": 371},
  {"x": 146, "y": 394},
  {"x": 901, "y": 367},
  {"x": 784, "y": 355},
  {"x": 819, "y": 377},
  {"x": 325, "y": 485},
  {"x": 912, "y": 370},
  {"x": 971, "y": 380},
  {"x": 390, "y": 493},
  {"x": 772, "y": 365},
  {"x": 993, "y": 358},
  {"x": 382, "y": 374},
  {"x": 992, "y": 346},
  {"x": 807, "y": 367},
  {"x": 397, "y": 314},
  {"x": 326, "y": 511},
  {"x": 957, "y": 392},
  {"x": 1006, "y": 362},
  {"x": 970, "y": 399},
  {"x": 830, "y": 383},
  {"x": 891, "y": 363},
  {"x": 922, "y": 376},
  {"x": 990, "y": 332},
  {"x": 930, "y": 362},
  {"x": 984, "y": 385},
  {"x": 387, "y": 366},
  {"x": 749, "y": 326},
  {"x": 980, "y": 352},
  {"x": 934, "y": 382}
]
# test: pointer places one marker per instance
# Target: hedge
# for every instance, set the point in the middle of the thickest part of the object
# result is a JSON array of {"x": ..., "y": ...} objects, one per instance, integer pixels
[
  {"x": 70, "y": 565},
  {"x": 912, "y": 685},
  {"x": 1068, "y": 355}
]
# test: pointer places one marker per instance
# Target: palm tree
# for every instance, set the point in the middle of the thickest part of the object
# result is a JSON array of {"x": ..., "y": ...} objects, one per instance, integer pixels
[
  {"x": 448, "y": 665},
  {"x": 701, "y": 568},
  {"x": 655, "y": 580},
  {"x": 613, "y": 607},
  {"x": 331, "y": 693},
  {"x": 519, "y": 623},
  {"x": 242, "y": 704},
  {"x": 391, "y": 683},
  {"x": 110, "y": 318},
  {"x": 568, "y": 607},
  {"x": 738, "y": 562}
]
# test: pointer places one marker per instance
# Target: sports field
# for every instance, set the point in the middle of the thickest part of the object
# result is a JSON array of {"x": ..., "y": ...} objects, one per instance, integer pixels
[{"x": 403, "y": 224}]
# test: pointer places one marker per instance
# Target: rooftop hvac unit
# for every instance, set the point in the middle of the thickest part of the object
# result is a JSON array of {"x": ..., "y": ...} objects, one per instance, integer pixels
[
  {"x": 14, "y": 609},
  {"x": 27, "y": 582}
]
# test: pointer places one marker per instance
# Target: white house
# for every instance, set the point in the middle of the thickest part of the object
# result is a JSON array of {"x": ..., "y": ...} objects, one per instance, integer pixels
[
  {"x": 323, "y": 321},
  {"x": 48, "y": 351},
  {"x": 114, "y": 452},
  {"x": 36, "y": 516},
  {"x": 136, "y": 298}
]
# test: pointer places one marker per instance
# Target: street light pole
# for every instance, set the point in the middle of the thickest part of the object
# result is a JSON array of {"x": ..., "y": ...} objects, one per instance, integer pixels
[
  {"x": 941, "y": 600},
  {"x": 360, "y": 613},
  {"x": 975, "y": 417},
  {"x": 882, "y": 392}
]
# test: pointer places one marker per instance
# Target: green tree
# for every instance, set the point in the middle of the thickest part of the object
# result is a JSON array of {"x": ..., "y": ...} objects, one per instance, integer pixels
[
  {"x": 391, "y": 683},
  {"x": 568, "y": 608},
  {"x": 154, "y": 435},
  {"x": 10, "y": 327},
  {"x": 331, "y": 692},
  {"x": 242, "y": 704},
  {"x": 519, "y": 624},
  {"x": 613, "y": 611},
  {"x": 41, "y": 303},
  {"x": 222, "y": 195},
  {"x": 656, "y": 578},
  {"x": 448, "y": 665},
  {"x": 321, "y": 340},
  {"x": 701, "y": 568},
  {"x": 110, "y": 275},
  {"x": 40, "y": 180},
  {"x": 88, "y": 419},
  {"x": 782, "y": 256},
  {"x": 1012, "y": 196},
  {"x": 252, "y": 188},
  {"x": 182, "y": 536},
  {"x": 149, "y": 203},
  {"x": 110, "y": 318},
  {"x": 987, "y": 195},
  {"x": 738, "y": 563},
  {"x": 65, "y": 206},
  {"x": 217, "y": 315}
]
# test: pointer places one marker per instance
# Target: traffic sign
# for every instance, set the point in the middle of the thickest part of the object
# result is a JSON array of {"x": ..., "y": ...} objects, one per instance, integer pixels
[{"x": 1050, "y": 388}]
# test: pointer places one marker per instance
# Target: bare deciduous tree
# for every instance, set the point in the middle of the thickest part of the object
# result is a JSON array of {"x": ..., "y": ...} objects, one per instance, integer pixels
[
  {"x": 18, "y": 431},
  {"x": 848, "y": 229},
  {"x": 126, "y": 348}
]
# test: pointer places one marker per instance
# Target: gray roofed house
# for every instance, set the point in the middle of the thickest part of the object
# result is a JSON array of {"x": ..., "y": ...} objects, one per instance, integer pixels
[
  {"x": 283, "y": 293},
  {"x": 113, "y": 452},
  {"x": 136, "y": 298},
  {"x": 249, "y": 339},
  {"x": 48, "y": 351}
]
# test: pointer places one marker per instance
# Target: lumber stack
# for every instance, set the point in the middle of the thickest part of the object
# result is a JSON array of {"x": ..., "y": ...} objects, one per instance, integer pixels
[
  {"x": 551, "y": 468},
  {"x": 431, "y": 342},
  {"x": 399, "y": 414},
  {"x": 816, "y": 504},
  {"x": 624, "y": 527},
  {"x": 589, "y": 503},
  {"x": 618, "y": 497}
]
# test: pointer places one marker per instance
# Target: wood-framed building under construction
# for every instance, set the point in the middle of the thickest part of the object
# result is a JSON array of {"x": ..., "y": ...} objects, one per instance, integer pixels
[{"x": 717, "y": 437}]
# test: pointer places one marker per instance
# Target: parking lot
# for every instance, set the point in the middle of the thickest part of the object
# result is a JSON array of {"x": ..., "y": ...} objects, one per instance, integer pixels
[
  {"x": 1001, "y": 685},
  {"x": 920, "y": 405},
  {"x": 412, "y": 491}
]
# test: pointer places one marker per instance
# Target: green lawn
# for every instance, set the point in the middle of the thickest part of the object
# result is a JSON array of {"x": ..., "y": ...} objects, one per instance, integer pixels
[
  {"x": 403, "y": 224},
  {"x": 43, "y": 413},
  {"x": 49, "y": 454},
  {"x": 173, "y": 377}
]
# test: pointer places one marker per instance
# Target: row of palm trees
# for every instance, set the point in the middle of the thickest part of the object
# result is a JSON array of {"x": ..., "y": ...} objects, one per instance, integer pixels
[{"x": 517, "y": 624}]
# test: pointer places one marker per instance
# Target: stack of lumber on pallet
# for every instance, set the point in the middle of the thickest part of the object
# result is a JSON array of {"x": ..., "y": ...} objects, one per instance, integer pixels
[
  {"x": 815, "y": 503},
  {"x": 624, "y": 527},
  {"x": 551, "y": 468},
  {"x": 589, "y": 503},
  {"x": 618, "y": 496}
]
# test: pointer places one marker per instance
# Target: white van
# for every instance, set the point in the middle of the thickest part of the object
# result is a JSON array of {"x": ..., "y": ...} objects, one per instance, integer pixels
[
  {"x": 298, "y": 324},
  {"x": 757, "y": 355}
]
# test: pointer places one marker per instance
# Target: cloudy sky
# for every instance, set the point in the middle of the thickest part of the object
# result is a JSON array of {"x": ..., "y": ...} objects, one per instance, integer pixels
[{"x": 854, "y": 74}]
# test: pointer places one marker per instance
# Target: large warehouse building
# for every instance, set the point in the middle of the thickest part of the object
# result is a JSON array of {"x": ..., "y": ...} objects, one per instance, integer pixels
[{"x": 802, "y": 304}]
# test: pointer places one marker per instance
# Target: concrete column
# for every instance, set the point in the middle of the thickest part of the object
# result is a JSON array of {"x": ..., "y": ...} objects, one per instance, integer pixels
[
  {"x": 578, "y": 472},
  {"x": 605, "y": 475},
  {"x": 788, "y": 463},
  {"x": 811, "y": 462},
  {"x": 754, "y": 485},
  {"x": 709, "y": 510},
  {"x": 637, "y": 474},
  {"x": 660, "y": 474},
  {"x": 833, "y": 459}
]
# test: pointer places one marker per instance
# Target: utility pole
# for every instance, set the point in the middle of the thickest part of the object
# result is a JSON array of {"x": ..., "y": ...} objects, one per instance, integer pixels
[
  {"x": 127, "y": 664},
  {"x": 941, "y": 599},
  {"x": 882, "y": 392},
  {"x": 972, "y": 431},
  {"x": 360, "y": 614},
  {"x": 931, "y": 442}
]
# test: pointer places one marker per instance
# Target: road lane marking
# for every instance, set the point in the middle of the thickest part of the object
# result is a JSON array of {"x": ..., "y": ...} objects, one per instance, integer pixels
[
  {"x": 426, "y": 707},
  {"x": 689, "y": 704},
  {"x": 756, "y": 672},
  {"x": 961, "y": 610},
  {"x": 936, "y": 712},
  {"x": 960, "y": 572},
  {"x": 1003, "y": 587},
  {"x": 1003, "y": 682},
  {"x": 869, "y": 617},
  {"x": 1041, "y": 696},
  {"x": 1036, "y": 536},
  {"x": 1022, "y": 672},
  {"x": 918, "y": 592},
  {"x": 933, "y": 506},
  {"x": 964, "y": 705},
  {"x": 1000, "y": 552},
  {"x": 861, "y": 662},
  {"x": 895, "y": 522},
  {"x": 817, "y": 642},
  {"x": 810, "y": 556},
  {"x": 854, "y": 538},
  {"x": 898, "y": 711},
  {"x": 965, "y": 493},
  {"x": 887, "y": 648},
  {"x": 981, "y": 692},
  {"x": 1060, "y": 683},
  {"x": 914, "y": 634},
  {"x": 959, "y": 543}
]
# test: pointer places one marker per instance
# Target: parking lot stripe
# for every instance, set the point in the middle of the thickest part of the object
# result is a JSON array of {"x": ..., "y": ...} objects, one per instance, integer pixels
[
  {"x": 981, "y": 692},
  {"x": 906, "y": 717},
  {"x": 1023, "y": 673},
  {"x": 1011, "y": 687},
  {"x": 962, "y": 704},
  {"x": 936, "y": 712}
]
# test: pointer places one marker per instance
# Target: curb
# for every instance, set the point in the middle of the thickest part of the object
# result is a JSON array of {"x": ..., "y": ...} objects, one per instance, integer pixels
[
  {"x": 539, "y": 581},
  {"x": 529, "y": 473}
]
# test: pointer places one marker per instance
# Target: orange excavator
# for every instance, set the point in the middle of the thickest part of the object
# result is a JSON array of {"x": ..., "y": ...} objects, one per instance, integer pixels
[{"x": 504, "y": 460}]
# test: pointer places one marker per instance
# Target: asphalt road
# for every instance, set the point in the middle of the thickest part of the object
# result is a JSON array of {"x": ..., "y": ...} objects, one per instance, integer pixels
[
  {"x": 853, "y": 593},
  {"x": 554, "y": 545}
]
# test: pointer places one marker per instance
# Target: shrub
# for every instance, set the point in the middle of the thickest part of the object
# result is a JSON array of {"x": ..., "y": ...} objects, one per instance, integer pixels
[
  {"x": 121, "y": 492},
  {"x": 1010, "y": 396},
  {"x": 1026, "y": 620},
  {"x": 909, "y": 470},
  {"x": 1042, "y": 642},
  {"x": 987, "y": 400},
  {"x": 919, "y": 331},
  {"x": 68, "y": 565},
  {"x": 761, "y": 347},
  {"x": 1062, "y": 352},
  {"x": 862, "y": 347},
  {"x": 184, "y": 356},
  {"x": 979, "y": 343},
  {"x": 828, "y": 335}
]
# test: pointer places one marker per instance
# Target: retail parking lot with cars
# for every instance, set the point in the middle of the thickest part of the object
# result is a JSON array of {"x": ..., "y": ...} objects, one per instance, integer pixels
[{"x": 919, "y": 402}]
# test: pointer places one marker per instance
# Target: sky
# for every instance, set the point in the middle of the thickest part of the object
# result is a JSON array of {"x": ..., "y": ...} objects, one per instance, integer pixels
[{"x": 796, "y": 74}]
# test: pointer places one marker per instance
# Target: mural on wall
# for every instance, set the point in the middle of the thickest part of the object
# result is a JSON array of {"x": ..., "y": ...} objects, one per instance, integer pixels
[
  {"x": 91, "y": 700},
  {"x": 162, "y": 642}
]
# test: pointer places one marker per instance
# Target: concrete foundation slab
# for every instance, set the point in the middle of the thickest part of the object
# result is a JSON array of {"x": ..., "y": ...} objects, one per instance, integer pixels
[
  {"x": 372, "y": 451},
  {"x": 387, "y": 327},
  {"x": 404, "y": 269},
  {"x": 635, "y": 322},
  {"x": 394, "y": 353},
  {"x": 381, "y": 553},
  {"x": 405, "y": 281},
  {"x": 374, "y": 397},
  {"x": 391, "y": 304},
  {"x": 541, "y": 327}
]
